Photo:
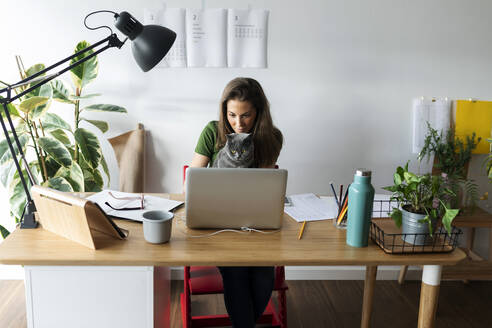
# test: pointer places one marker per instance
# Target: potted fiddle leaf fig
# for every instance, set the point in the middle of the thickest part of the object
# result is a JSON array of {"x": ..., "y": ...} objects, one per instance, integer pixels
[
  {"x": 67, "y": 158},
  {"x": 424, "y": 201}
]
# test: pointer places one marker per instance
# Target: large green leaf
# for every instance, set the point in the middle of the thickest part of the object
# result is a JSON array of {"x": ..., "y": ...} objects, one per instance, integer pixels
[
  {"x": 396, "y": 215},
  {"x": 11, "y": 108},
  {"x": 61, "y": 136},
  {"x": 73, "y": 175},
  {"x": 89, "y": 96},
  {"x": 56, "y": 150},
  {"x": 105, "y": 168},
  {"x": 448, "y": 218},
  {"x": 52, "y": 166},
  {"x": 7, "y": 171},
  {"x": 101, "y": 125},
  {"x": 93, "y": 180},
  {"x": 52, "y": 122},
  {"x": 4, "y": 232},
  {"x": 62, "y": 91},
  {"x": 5, "y": 154},
  {"x": 89, "y": 147},
  {"x": 105, "y": 108},
  {"x": 29, "y": 104},
  {"x": 58, "y": 183},
  {"x": 86, "y": 72},
  {"x": 397, "y": 179},
  {"x": 44, "y": 91},
  {"x": 17, "y": 194},
  {"x": 35, "y": 69}
]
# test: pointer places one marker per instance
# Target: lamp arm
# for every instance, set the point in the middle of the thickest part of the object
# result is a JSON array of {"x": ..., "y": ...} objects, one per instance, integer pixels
[{"x": 112, "y": 40}]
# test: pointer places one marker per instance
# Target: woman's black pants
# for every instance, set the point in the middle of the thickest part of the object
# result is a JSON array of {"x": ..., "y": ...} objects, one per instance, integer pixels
[{"x": 247, "y": 291}]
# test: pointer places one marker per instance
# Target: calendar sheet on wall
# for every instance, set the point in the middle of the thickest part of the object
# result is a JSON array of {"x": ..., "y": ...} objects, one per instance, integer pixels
[
  {"x": 247, "y": 38},
  {"x": 214, "y": 37}
]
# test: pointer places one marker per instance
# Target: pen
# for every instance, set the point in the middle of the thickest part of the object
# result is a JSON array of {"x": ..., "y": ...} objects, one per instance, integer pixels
[
  {"x": 334, "y": 193},
  {"x": 302, "y": 230}
]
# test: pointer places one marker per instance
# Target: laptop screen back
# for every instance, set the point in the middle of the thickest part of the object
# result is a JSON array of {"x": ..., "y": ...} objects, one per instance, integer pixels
[{"x": 234, "y": 198}]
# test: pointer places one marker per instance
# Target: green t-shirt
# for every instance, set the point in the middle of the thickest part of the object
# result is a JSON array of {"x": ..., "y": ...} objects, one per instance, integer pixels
[{"x": 206, "y": 142}]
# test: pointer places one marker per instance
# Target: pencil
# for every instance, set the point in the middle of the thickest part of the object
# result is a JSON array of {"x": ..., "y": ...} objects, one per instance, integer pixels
[
  {"x": 302, "y": 230},
  {"x": 340, "y": 216},
  {"x": 334, "y": 193}
]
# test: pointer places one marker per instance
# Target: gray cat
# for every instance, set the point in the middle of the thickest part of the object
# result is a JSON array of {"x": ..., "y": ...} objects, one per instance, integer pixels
[{"x": 237, "y": 152}]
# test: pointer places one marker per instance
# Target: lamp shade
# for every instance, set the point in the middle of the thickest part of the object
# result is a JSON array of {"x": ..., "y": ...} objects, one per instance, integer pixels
[{"x": 150, "y": 43}]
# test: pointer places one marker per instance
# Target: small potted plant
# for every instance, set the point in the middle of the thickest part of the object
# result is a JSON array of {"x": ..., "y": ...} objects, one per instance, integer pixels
[
  {"x": 452, "y": 156},
  {"x": 423, "y": 200}
]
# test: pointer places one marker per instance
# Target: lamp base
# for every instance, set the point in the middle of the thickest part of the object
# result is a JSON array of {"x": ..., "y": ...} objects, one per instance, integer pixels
[{"x": 28, "y": 219}]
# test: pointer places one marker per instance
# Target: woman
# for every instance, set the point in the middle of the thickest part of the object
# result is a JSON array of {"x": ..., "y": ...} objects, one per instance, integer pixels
[{"x": 244, "y": 108}]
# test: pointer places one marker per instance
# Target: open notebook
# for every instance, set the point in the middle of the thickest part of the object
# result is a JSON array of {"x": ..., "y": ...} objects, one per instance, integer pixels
[{"x": 125, "y": 205}]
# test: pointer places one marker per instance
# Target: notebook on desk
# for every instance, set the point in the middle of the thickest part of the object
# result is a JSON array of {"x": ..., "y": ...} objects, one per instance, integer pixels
[{"x": 235, "y": 198}]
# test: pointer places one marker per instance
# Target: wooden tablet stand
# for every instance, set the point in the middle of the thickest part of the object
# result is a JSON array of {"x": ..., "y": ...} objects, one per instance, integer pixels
[{"x": 74, "y": 218}]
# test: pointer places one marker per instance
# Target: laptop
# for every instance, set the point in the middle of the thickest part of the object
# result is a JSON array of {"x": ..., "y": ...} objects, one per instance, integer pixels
[{"x": 218, "y": 198}]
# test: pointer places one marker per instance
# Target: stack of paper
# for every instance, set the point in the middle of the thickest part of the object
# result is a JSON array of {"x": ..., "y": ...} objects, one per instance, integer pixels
[
  {"x": 150, "y": 203},
  {"x": 308, "y": 207}
]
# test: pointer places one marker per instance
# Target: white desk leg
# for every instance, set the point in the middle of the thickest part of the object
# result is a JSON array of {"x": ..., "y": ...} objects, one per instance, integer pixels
[
  {"x": 429, "y": 295},
  {"x": 371, "y": 273}
]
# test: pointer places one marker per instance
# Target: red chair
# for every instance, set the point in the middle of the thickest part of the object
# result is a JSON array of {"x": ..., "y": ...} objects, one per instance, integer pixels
[{"x": 202, "y": 280}]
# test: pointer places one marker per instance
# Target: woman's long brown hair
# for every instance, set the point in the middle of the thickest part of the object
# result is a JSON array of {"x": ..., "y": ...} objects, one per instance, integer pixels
[{"x": 267, "y": 138}]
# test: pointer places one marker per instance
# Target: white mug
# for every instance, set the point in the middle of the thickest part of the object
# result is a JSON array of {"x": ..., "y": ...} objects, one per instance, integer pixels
[{"x": 157, "y": 226}]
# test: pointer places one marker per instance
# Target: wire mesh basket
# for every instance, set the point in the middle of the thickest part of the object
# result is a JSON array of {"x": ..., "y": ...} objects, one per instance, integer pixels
[{"x": 390, "y": 238}]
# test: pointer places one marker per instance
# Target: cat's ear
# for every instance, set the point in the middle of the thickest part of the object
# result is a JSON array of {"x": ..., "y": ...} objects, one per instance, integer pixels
[{"x": 249, "y": 136}]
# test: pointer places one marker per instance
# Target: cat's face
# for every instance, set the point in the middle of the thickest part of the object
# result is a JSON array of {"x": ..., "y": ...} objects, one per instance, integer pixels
[{"x": 240, "y": 146}]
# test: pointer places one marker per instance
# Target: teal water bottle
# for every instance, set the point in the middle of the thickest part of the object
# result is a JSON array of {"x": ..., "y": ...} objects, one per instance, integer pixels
[{"x": 360, "y": 199}]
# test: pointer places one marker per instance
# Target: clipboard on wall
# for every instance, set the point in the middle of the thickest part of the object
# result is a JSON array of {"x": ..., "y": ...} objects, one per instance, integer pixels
[{"x": 74, "y": 218}]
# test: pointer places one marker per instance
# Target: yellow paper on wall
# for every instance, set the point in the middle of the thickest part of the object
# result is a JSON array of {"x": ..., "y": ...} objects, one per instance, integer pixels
[{"x": 474, "y": 116}]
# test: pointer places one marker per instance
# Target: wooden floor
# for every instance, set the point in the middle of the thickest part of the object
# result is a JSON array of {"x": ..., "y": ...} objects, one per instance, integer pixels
[{"x": 324, "y": 304}]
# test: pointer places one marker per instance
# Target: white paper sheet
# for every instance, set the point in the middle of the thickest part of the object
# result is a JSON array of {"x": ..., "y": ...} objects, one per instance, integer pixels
[
  {"x": 437, "y": 113},
  {"x": 206, "y": 37},
  {"x": 150, "y": 203},
  {"x": 247, "y": 33},
  {"x": 308, "y": 207},
  {"x": 174, "y": 19}
]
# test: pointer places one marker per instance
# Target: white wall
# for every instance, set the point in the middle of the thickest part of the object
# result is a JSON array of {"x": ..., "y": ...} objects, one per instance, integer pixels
[{"x": 340, "y": 80}]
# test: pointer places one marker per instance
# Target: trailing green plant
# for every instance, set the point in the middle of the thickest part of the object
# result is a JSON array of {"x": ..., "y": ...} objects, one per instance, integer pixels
[
  {"x": 451, "y": 156},
  {"x": 423, "y": 194},
  {"x": 450, "y": 152},
  {"x": 66, "y": 158}
]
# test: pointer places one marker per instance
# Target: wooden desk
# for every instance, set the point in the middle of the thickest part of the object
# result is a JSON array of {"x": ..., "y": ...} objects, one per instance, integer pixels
[{"x": 322, "y": 244}]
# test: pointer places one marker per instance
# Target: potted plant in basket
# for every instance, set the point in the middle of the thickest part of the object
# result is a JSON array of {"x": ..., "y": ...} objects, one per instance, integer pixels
[{"x": 424, "y": 201}]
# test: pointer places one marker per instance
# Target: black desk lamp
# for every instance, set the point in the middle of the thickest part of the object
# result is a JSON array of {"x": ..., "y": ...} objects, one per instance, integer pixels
[{"x": 150, "y": 43}]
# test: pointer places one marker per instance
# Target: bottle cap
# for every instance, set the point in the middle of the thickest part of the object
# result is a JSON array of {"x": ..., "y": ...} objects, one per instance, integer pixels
[{"x": 363, "y": 173}]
